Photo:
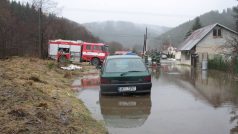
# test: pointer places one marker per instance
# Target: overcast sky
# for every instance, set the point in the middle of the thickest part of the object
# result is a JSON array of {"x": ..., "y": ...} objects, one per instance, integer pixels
[{"x": 159, "y": 12}]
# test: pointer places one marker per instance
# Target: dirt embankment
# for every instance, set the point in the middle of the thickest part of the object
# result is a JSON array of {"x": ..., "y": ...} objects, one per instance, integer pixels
[{"x": 36, "y": 98}]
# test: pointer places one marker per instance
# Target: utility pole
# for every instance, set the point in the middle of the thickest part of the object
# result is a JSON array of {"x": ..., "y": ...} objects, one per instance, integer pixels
[{"x": 145, "y": 40}]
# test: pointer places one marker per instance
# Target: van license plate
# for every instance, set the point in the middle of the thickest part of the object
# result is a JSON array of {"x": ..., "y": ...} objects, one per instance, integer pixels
[{"x": 126, "y": 89}]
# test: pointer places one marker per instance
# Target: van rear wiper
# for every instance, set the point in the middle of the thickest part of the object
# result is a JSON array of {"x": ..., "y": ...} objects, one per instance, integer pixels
[{"x": 122, "y": 74}]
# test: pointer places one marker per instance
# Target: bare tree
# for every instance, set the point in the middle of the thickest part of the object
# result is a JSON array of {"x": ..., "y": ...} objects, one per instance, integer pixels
[
  {"x": 4, "y": 26},
  {"x": 47, "y": 6},
  {"x": 232, "y": 44},
  {"x": 231, "y": 48}
]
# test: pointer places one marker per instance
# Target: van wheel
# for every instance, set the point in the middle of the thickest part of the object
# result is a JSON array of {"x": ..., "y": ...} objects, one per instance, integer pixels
[{"x": 95, "y": 61}]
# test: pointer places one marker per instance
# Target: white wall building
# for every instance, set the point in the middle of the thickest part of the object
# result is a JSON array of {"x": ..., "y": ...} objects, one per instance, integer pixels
[{"x": 206, "y": 42}]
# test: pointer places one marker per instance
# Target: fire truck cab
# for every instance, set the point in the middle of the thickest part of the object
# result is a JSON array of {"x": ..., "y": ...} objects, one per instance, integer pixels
[{"x": 78, "y": 51}]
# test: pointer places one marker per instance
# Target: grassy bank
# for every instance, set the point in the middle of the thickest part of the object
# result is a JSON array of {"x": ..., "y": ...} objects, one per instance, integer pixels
[{"x": 36, "y": 98}]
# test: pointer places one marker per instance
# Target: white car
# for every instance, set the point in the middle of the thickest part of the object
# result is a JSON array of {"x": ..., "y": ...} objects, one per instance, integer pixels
[{"x": 164, "y": 56}]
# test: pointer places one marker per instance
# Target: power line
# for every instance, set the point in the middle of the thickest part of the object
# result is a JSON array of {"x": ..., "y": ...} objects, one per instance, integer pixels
[{"x": 128, "y": 36}]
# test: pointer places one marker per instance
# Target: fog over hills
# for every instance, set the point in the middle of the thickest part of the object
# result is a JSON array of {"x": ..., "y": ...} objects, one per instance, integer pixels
[
  {"x": 127, "y": 33},
  {"x": 131, "y": 34}
]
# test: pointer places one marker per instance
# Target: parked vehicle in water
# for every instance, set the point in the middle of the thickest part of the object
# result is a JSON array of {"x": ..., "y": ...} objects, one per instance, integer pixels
[{"x": 124, "y": 74}]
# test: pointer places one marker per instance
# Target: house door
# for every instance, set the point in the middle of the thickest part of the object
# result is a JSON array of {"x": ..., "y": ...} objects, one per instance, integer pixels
[{"x": 194, "y": 60}]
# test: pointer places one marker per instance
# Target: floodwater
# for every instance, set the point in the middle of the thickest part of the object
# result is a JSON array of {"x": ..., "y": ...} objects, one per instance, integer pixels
[{"x": 182, "y": 101}]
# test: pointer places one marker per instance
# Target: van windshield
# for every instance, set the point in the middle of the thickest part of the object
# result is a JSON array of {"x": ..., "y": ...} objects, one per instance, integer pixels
[{"x": 124, "y": 65}]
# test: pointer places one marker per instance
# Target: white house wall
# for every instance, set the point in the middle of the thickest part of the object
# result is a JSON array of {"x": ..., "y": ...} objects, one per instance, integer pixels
[
  {"x": 212, "y": 45},
  {"x": 184, "y": 60},
  {"x": 178, "y": 55}
]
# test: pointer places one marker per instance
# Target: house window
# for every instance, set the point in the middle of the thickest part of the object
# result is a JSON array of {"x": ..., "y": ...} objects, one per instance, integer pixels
[
  {"x": 214, "y": 32},
  {"x": 217, "y": 33},
  {"x": 88, "y": 47}
]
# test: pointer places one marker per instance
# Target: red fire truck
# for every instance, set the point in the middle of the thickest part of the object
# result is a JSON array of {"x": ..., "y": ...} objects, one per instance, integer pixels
[{"x": 78, "y": 51}]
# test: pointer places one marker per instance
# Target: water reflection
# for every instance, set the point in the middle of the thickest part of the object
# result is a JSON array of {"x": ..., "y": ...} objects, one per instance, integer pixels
[
  {"x": 215, "y": 88},
  {"x": 87, "y": 82},
  {"x": 125, "y": 111},
  {"x": 155, "y": 72},
  {"x": 90, "y": 82},
  {"x": 234, "y": 118},
  {"x": 220, "y": 90},
  {"x": 185, "y": 100}
]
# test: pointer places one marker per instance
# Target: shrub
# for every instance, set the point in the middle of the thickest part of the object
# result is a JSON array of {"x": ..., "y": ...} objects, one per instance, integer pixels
[
  {"x": 51, "y": 65},
  {"x": 219, "y": 63},
  {"x": 236, "y": 66}
]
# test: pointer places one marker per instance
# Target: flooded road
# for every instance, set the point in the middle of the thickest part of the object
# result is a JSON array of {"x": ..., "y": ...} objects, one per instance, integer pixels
[{"x": 182, "y": 100}]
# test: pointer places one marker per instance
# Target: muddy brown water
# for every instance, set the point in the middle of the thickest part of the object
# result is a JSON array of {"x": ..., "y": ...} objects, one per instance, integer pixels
[{"x": 182, "y": 101}]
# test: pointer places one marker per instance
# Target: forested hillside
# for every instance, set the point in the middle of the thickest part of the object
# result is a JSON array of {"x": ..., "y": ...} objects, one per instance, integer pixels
[
  {"x": 177, "y": 34},
  {"x": 19, "y": 30},
  {"x": 126, "y": 33}
]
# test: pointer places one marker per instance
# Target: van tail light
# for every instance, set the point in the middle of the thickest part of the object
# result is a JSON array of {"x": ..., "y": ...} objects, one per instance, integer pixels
[
  {"x": 105, "y": 81},
  {"x": 147, "y": 79}
]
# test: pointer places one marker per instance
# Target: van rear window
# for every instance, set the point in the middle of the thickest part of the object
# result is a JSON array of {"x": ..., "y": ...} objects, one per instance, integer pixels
[{"x": 124, "y": 65}]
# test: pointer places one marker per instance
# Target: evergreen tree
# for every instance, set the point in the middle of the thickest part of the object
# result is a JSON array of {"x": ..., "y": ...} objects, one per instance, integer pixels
[
  {"x": 188, "y": 34},
  {"x": 235, "y": 10},
  {"x": 197, "y": 24}
]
